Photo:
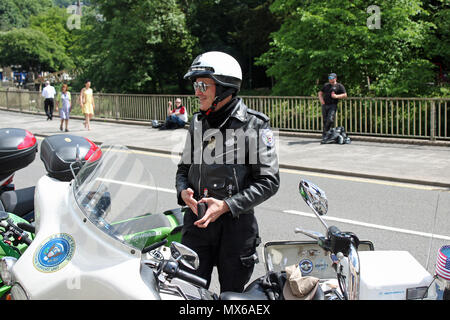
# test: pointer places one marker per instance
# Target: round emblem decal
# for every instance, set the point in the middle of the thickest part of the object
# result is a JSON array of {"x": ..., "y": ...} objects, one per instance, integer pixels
[
  {"x": 306, "y": 266},
  {"x": 267, "y": 137},
  {"x": 54, "y": 252}
]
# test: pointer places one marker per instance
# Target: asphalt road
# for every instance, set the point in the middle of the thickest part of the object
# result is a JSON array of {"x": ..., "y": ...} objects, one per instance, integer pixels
[{"x": 393, "y": 216}]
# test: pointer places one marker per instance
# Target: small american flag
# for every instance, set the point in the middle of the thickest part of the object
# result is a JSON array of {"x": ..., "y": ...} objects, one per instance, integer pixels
[{"x": 443, "y": 262}]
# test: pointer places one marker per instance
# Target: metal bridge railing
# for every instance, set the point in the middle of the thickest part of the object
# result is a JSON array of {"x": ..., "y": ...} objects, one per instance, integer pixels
[{"x": 388, "y": 117}]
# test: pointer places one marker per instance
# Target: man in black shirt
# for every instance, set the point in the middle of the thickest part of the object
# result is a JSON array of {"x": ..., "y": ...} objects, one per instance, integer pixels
[{"x": 329, "y": 96}]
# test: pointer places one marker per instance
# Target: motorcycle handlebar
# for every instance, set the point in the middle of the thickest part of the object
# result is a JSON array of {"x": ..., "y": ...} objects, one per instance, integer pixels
[
  {"x": 26, "y": 239},
  {"x": 172, "y": 268},
  {"x": 333, "y": 230},
  {"x": 17, "y": 231},
  {"x": 154, "y": 246},
  {"x": 192, "y": 278},
  {"x": 26, "y": 227}
]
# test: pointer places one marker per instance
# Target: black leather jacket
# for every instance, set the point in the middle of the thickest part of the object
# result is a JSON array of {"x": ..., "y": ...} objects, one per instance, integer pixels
[{"x": 236, "y": 162}]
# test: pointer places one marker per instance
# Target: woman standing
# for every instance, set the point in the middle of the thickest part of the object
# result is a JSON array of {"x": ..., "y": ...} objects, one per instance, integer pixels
[
  {"x": 87, "y": 103},
  {"x": 64, "y": 103}
]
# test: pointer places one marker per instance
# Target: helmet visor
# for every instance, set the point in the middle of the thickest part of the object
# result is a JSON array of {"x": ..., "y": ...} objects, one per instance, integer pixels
[{"x": 196, "y": 72}]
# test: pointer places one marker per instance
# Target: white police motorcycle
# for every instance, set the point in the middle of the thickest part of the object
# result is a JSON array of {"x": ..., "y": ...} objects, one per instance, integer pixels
[
  {"x": 351, "y": 269},
  {"x": 92, "y": 236},
  {"x": 92, "y": 243}
]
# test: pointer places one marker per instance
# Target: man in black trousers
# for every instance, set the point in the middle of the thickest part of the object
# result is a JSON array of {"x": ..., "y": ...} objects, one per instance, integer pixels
[
  {"x": 329, "y": 97},
  {"x": 49, "y": 93}
]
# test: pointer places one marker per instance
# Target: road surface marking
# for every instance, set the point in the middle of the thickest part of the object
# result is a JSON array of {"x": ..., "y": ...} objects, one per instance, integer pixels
[
  {"x": 370, "y": 225},
  {"x": 137, "y": 185},
  {"x": 175, "y": 155},
  {"x": 325, "y": 175},
  {"x": 304, "y": 214}
]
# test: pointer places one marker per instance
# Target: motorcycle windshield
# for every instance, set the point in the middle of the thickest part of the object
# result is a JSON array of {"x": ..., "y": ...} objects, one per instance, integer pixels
[{"x": 117, "y": 193}]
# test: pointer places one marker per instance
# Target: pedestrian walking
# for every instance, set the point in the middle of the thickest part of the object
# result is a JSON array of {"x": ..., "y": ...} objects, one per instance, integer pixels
[
  {"x": 49, "y": 93},
  {"x": 87, "y": 104},
  {"x": 64, "y": 103}
]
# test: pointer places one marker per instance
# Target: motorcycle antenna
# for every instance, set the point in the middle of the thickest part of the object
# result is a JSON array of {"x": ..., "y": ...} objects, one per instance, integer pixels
[{"x": 433, "y": 229}]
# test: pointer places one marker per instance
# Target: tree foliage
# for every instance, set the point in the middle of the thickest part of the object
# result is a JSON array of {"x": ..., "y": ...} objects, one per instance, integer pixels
[
  {"x": 437, "y": 45},
  {"x": 53, "y": 22},
  {"x": 64, "y": 3},
  {"x": 322, "y": 36},
  {"x": 240, "y": 28},
  {"x": 15, "y": 13},
  {"x": 32, "y": 50},
  {"x": 136, "y": 45},
  {"x": 146, "y": 46}
]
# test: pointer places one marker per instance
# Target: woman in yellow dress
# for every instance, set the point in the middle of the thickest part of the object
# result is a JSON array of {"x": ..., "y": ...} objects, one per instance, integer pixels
[{"x": 87, "y": 103}]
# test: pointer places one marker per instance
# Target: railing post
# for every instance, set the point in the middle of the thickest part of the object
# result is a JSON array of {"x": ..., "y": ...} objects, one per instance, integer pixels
[
  {"x": 7, "y": 100},
  {"x": 20, "y": 100},
  {"x": 116, "y": 107},
  {"x": 433, "y": 121}
]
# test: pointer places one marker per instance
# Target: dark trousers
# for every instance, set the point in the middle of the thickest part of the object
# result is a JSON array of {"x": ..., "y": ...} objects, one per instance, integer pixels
[
  {"x": 48, "y": 107},
  {"x": 173, "y": 122},
  {"x": 328, "y": 116},
  {"x": 228, "y": 243}
]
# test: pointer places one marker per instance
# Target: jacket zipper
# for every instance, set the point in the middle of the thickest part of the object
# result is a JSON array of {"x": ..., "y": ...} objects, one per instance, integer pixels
[
  {"x": 235, "y": 179},
  {"x": 237, "y": 184},
  {"x": 200, "y": 169}
]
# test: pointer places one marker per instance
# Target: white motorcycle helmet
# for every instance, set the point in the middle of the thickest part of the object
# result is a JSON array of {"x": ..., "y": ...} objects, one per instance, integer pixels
[
  {"x": 222, "y": 68},
  {"x": 219, "y": 66}
]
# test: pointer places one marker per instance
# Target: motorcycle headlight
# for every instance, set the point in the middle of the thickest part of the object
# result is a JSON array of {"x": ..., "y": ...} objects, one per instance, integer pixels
[{"x": 6, "y": 264}]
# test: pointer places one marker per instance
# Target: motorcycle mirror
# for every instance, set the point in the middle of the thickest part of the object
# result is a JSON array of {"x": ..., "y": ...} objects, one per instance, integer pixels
[
  {"x": 314, "y": 197},
  {"x": 3, "y": 215},
  {"x": 185, "y": 255}
]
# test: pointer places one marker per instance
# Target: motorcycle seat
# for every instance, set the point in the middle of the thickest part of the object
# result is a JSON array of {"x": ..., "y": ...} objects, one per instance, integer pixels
[
  {"x": 256, "y": 291},
  {"x": 20, "y": 202},
  {"x": 177, "y": 213}
]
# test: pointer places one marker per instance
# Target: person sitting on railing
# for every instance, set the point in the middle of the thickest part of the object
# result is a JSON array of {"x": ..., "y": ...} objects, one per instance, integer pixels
[{"x": 176, "y": 118}]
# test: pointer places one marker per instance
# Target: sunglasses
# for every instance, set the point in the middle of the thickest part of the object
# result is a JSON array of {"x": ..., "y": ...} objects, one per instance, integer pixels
[{"x": 201, "y": 86}]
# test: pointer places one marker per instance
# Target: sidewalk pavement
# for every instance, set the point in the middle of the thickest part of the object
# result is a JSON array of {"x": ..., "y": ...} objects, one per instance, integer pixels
[{"x": 378, "y": 159}]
